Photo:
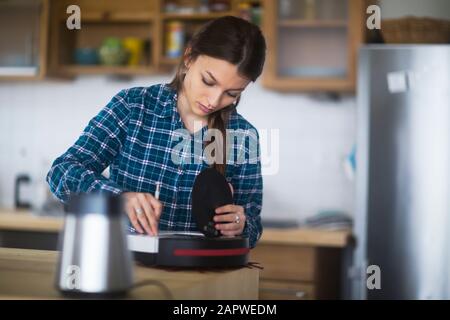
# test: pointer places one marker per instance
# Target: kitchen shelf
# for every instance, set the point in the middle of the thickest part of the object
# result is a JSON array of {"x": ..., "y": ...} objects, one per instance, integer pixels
[
  {"x": 105, "y": 16},
  {"x": 195, "y": 16},
  {"x": 300, "y": 23},
  {"x": 315, "y": 49},
  {"x": 100, "y": 19},
  {"x": 106, "y": 70},
  {"x": 169, "y": 61},
  {"x": 19, "y": 71}
]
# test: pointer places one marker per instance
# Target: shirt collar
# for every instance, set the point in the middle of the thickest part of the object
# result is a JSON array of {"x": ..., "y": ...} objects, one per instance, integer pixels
[{"x": 167, "y": 102}]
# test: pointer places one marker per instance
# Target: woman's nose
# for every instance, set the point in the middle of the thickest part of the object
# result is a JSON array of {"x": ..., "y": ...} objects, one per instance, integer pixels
[{"x": 214, "y": 99}]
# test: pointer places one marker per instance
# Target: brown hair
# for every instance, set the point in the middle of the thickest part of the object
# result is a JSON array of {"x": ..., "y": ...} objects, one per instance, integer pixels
[{"x": 236, "y": 41}]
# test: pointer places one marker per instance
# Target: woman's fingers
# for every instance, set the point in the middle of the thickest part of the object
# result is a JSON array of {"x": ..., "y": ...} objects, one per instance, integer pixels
[
  {"x": 230, "y": 217},
  {"x": 144, "y": 211},
  {"x": 156, "y": 204},
  {"x": 231, "y": 233},
  {"x": 230, "y": 224},
  {"x": 131, "y": 212},
  {"x": 230, "y": 220},
  {"x": 156, "y": 208},
  {"x": 228, "y": 213},
  {"x": 148, "y": 218},
  {"x": 226, "y": 209}
]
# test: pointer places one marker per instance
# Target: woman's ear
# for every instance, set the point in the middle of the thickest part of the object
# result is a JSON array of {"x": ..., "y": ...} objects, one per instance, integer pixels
[{"x": 187, "y": 58}]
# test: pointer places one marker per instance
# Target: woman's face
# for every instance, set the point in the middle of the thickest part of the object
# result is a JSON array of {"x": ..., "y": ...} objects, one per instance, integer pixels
[{"x": 212, "y": 84}]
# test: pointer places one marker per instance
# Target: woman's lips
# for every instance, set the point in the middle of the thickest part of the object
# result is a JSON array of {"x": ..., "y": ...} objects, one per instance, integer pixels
[{"x": 203, "y": 108}]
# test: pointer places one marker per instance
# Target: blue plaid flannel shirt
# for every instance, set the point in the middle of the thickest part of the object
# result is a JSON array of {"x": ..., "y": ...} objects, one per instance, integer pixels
[{"x": 135, "y": 135}]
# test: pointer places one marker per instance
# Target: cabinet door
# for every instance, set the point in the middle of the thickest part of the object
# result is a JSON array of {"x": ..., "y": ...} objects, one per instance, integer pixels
[
  {"x": 279, "y": 290},
  {"x": 283, "y": 262},
  {"x": 23, "y": 38},
  {"x": 312, "y": 44}
]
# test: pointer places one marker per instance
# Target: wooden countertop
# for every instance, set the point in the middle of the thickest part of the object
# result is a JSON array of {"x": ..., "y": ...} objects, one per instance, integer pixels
[
  {"x": 30, "y": 274},
  {"x": 307, "y": 237},
  {"x": 25, "y": 221}
]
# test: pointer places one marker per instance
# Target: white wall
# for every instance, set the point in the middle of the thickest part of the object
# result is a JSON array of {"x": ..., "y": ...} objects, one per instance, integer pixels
[{"x": 39, "y": 121}]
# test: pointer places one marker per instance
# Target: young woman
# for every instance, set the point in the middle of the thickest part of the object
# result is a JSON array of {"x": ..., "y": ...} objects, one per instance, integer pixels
[{"x": 137, "y": 132}]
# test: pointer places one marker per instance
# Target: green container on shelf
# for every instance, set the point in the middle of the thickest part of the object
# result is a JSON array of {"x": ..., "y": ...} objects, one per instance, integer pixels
[{"x": 112, "y": 52}]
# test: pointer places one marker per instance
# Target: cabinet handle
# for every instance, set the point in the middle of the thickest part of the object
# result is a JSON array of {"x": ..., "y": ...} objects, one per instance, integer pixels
[{"x": 289, "y": 292}]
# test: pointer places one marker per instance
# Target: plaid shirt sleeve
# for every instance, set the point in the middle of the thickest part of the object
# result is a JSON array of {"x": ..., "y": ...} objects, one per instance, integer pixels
[
  {"x": 79, "y": 168},
  {"x": 248, "y": 185}
]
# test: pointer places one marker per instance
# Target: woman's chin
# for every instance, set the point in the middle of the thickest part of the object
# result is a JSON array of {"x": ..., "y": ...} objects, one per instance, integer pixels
[{"x": 199, "y": 112}]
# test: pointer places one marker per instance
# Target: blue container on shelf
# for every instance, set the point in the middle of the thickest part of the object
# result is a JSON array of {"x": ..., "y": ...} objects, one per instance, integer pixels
[{"x": 86, "y": 56}]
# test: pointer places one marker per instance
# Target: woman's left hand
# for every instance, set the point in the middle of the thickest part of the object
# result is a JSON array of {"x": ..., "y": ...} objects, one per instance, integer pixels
[{"x": 230, "y": 220}]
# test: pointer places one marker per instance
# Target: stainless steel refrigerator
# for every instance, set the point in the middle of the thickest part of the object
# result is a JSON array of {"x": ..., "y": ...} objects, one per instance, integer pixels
[{"x": 402, "y": 215}]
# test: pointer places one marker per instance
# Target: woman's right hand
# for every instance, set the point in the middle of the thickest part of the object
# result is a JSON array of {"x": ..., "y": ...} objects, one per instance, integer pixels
[{"x": 144, "y": 211}]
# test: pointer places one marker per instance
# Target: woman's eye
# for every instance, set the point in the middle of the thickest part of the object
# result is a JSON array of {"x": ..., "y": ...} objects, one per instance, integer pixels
[
  {"x": 234, "y": 96},
  {"x": 207, "y": 83}
]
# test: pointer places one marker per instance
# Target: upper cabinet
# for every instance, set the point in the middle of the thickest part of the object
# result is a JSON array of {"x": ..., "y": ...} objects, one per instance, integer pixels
[
  {"x": 180, "y": 19},
  {"x": 23, "y": 37},
  {"x": 112, "y": 37},
  {"x": 131, "y": 37},
  {"x": 312, "y": 44}
]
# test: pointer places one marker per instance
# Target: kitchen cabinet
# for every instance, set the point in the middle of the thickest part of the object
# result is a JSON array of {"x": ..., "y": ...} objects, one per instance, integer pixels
[
  {"x": 191, "y": 15},
  {"x": 297, "y": 263},
  {"x": 160, "y": 25},
  {"x": 300, "y": 264},
  {"x": 30, "y": 274},
  {"x": 312, "y": 44},
  {"x": 100, "y": 21},
  {"x": 23, "y": 37}
]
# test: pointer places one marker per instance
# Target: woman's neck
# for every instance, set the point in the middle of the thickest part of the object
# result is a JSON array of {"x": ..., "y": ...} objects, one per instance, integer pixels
[{"x": 190, "y": 120}]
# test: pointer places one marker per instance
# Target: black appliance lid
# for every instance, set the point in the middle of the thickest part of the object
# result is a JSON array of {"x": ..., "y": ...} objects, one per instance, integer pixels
[{"x": 210, "y": 191}]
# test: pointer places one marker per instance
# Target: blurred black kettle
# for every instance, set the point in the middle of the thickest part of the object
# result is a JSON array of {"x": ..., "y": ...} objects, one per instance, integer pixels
[{"x": 22, "y": 180}]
